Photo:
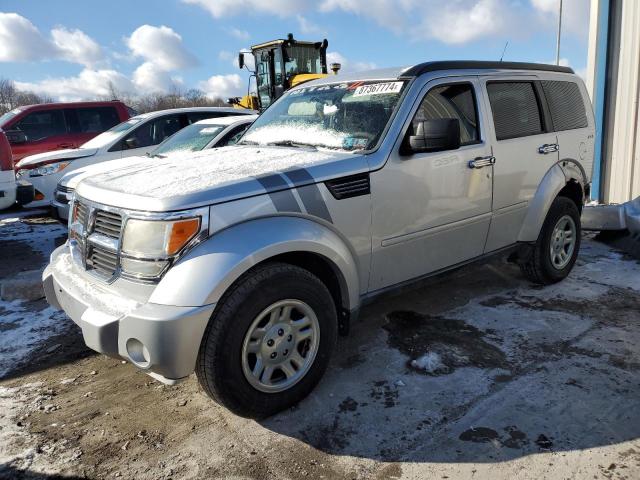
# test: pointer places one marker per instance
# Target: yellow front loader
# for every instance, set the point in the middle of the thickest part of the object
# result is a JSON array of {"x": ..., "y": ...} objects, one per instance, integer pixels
[{"x": 281, "y": 65}]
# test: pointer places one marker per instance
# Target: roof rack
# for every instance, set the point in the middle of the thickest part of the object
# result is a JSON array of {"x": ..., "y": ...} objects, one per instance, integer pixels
[{"x": 426, "y": 67}]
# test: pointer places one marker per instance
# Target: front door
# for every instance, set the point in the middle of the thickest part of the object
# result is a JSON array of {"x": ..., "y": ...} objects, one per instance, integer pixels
[
  {"x": 524, "y": 147},
  {"x": 432, "y": 210}
]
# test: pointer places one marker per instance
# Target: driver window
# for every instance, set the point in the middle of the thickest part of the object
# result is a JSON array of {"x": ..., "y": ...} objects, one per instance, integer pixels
[
  {"x": 152, "y": 133},
  {"x": 452, "y": 101}
]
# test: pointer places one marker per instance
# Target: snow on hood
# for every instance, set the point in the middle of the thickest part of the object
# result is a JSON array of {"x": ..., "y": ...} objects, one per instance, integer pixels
[
  {"x": 195, "y": 172},
  {"x": 71, "y": 179},
  {"x": 69, "y": 153}
]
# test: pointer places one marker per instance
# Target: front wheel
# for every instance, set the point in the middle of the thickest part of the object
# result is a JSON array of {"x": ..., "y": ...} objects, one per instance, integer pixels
[
  {"x": 553, "y": 255},
  {"x": 269, "y": 341}
]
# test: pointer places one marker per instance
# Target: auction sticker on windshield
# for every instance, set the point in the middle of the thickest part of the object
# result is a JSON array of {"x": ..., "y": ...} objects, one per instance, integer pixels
[{"x": 378, "y": 88}]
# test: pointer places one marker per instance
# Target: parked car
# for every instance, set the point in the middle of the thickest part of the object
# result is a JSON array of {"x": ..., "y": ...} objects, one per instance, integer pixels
[
  {"x": 47, "y": 127},
  {"x": 136, "y": 136},
  {"x": 210, "y": 133},
  {"x": 245, "y": 267},
  {"x": 11, "y": 191}
]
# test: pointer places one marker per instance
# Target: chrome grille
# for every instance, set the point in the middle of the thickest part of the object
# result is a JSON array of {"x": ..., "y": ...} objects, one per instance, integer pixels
[
  {"x": 108, "y": 223},
  {"x": 81, "y": 214},
  {"x": 103, "y": 261}
]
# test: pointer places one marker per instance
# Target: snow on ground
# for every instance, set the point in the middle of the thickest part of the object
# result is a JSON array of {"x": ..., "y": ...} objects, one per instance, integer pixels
[
  {"x": 23, "y": 327},
  {"x": 38, "y": 234}
]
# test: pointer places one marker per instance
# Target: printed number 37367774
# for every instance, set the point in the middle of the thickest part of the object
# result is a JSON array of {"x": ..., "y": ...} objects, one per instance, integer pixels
[{"x": 377, "y": 88}]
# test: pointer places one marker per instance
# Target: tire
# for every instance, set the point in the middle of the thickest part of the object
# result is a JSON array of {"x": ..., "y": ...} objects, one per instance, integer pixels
[
  {"x": 224, "y": 367},
  {"x": 540, "y": 264}
]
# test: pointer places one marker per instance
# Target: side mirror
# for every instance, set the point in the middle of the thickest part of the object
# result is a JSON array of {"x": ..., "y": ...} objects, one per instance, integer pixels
[
  {"x": 241, "y": 60},
  {"x": 131, "y": 142},
  {"x": 434, "y": 135},
  {"x": 16, "y": 137}
]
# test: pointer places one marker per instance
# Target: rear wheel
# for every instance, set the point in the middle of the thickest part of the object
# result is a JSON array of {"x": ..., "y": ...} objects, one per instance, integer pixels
[
  {"x": 269, "y": 341},
  {"x": 553, "y": 255}
]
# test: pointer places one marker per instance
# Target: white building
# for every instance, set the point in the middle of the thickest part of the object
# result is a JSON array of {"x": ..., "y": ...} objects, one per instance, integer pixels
[{"x": 613, "y": 81}]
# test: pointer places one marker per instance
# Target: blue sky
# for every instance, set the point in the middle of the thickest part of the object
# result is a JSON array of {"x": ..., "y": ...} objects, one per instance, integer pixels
[{"x": 72, "y": 49}]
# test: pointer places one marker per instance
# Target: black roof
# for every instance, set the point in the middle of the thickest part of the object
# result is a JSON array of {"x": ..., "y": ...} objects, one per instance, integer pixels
[{"x": 426, "y": 67}]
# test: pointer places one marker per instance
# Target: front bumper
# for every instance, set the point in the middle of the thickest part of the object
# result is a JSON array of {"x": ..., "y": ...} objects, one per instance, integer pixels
[{"x": 161, "y": 340}]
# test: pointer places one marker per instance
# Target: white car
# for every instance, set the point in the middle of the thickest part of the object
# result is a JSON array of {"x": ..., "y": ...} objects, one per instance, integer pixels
[
  {"x": 136, "y": 136},
  {"x": 209, "y": 133},
  {"x": 7, "y": 176}
]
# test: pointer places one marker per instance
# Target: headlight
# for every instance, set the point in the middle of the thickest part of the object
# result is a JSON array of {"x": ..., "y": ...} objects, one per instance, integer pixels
[
  {"x": 158, "y": 238},
  {"x": 149, "y": 246},
  {"x": 48, "y": 169}
]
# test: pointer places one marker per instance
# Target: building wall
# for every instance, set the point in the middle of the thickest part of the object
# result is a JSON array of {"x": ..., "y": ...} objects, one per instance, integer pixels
[{"x": 613, "y": 81}]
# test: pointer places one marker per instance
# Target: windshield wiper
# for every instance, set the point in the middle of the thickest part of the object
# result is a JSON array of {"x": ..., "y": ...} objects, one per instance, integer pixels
[
  {"x": 247, "y": 142},
  {"x": 155, "y": 155},
  {"x": 291, "y": 143}
]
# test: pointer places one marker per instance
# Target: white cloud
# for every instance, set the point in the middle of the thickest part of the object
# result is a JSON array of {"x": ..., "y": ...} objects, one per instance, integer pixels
[
  {"x": 89, "y": 84},
  {"x": 227, "y": 8},
  {"x": 76, "y": 46},
  {"x": 161, "y": 46},
  {"x": 21, "y": 41},
  {"x": 148, "y": 77},
  {"x": 239, "y": 34},
  {"x": 309, "y": 28},
  {"x": 348, "y": 65},
  {"x": 163, "y": 52},
  {"x": 575, "y": 14},
  {"x": 224, "y": 86}
]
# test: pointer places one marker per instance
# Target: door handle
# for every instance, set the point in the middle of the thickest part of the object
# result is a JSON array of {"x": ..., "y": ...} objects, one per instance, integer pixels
[
  {"x": 65, "y": 145},
  {"x": 548, "y": 148},
  {"x": 480, "y": 162}
]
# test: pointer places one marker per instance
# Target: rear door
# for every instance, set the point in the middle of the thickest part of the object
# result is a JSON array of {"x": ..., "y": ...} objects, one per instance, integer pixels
[
  {"x": 525, "y": 148},
  {"x": 87, "y": 122}
]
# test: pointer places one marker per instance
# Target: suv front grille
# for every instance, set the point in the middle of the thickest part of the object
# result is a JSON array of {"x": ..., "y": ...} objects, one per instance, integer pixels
[
  {"x": 103, "y": 261},
  {"x": 81, "y": 214},
  {"x": 108, "y": 223},
  {"x": 97, "y": 233}
]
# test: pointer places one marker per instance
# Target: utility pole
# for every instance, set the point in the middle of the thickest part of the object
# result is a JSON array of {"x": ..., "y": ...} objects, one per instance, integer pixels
[{"x": 559, "y": 34}]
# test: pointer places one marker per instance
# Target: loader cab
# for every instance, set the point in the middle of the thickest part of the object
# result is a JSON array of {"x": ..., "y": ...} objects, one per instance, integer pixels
[{"x": 282, "y": 64}]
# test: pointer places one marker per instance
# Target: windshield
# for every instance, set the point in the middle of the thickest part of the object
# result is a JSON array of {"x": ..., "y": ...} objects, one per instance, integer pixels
[
  {"x": 114, "y": 132},
  {"x": 4, "y": 119},
  {"x": 345, "y": 116},
  {"x": 192, "y": 139}
]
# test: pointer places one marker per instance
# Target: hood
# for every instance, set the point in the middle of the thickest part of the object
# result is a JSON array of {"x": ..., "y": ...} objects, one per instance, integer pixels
[
  {"x": 71, "y": 179},
  {"x": 212, "y": 176},
  {"x": 67, "y": 154}
]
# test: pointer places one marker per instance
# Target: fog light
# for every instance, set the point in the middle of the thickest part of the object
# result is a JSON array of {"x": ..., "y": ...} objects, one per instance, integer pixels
[
  {"x": 138, "y": 353},
  {"x": 143, "y": 268}
]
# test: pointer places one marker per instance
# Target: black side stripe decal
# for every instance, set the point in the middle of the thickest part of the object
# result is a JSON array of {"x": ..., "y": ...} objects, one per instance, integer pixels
[
  {"x": 309, "y": 194},
  {"x": 279, "y": 192}
]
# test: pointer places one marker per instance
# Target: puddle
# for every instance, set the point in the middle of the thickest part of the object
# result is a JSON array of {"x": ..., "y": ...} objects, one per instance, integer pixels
[{"x": 457, "y": 343}]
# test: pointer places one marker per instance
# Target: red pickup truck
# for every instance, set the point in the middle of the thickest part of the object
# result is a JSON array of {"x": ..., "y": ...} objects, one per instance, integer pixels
[{"x": 53, "y": 126}]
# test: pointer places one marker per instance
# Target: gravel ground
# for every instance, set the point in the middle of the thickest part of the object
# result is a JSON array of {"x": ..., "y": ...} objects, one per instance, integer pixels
[{"x": 477, "y": 374}]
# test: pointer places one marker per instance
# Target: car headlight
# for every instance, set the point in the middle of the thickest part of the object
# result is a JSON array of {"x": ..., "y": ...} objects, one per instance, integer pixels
[
  {"x": 148, "y": 246},
  {"x": 48, "y": 169}
]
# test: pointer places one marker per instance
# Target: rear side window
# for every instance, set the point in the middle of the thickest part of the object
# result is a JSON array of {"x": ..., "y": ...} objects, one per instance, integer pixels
[
  {"x": 515, "y": 109},
  {"x": 451, "y": 101},
  {"x": 97, "y": 119},
  {"x": 43, "y": 124},
  {"x": 565, "y": 104}
]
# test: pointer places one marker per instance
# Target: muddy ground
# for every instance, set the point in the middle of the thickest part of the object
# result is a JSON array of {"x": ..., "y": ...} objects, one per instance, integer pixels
[{"x": 477, "y": 374}]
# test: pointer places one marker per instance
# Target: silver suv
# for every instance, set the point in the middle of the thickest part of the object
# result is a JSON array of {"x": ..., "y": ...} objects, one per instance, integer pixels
[{"x": 246, "y": 266}]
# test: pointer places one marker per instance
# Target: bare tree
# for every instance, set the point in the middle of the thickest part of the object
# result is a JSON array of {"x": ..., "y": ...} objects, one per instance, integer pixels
[{"x": 11, "y": 97}]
